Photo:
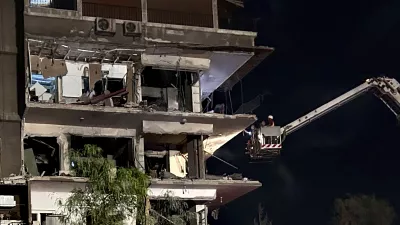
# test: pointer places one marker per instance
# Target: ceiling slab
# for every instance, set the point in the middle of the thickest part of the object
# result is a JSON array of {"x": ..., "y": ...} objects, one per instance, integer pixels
[{"x": 223, "y": 65}]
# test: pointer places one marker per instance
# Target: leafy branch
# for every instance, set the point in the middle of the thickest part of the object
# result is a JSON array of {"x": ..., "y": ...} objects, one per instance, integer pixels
[{"x": 111, "y": 195}]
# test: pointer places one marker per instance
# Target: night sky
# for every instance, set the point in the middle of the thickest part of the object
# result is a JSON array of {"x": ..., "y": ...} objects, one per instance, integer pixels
[{"x": 323, "y": 49}]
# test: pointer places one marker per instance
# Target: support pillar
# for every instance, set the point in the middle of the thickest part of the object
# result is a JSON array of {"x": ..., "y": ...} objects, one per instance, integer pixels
[
  {"x": 129, "y": 84},
  {"x": 144, "y": 11},
  {"x": 215, "y": 13},
  {"x": 196, "y": 159},
  {"x": 139, "y": 153},
  {"x": 59, "y": 93},
  {"x": 12, "y": 85},
  {"x": 79, "y": 7},
  {"x": 64, "y": 141},
  {"x": 201, "y": 159},
  {"x": 138, "y": 83},
  {"x": 134, "y": 84}
]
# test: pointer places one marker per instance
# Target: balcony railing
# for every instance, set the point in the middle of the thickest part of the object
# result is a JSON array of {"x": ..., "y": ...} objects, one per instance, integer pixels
[
  {"x": 112, "y": 11},
  {"x": 179, "y": 18}
]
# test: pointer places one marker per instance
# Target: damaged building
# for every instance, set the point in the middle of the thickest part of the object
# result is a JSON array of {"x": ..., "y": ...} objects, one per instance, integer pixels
[{"x": 130, "y": 77}]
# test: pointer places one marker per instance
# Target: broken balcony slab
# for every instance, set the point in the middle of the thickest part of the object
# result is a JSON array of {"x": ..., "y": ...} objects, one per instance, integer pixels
[
  {"x": 162, "y": 127},
  {"x": 226, "y": 190},
  {"x": 225, "y": 127}
]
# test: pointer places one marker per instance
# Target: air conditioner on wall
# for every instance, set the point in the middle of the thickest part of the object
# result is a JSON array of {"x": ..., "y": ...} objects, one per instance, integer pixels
[
  {"x": 132, "y": 28},
  {"x": 105, "y": 27}
]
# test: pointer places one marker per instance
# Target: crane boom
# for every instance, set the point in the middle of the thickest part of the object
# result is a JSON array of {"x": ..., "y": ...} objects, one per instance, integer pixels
[
  {"x": 267, "y": 143},
  {"x": 386, "y": 89}
]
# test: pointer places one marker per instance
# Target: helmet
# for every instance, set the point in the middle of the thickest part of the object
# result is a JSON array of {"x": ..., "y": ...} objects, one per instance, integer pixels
[{"x": 270, "y": 117}]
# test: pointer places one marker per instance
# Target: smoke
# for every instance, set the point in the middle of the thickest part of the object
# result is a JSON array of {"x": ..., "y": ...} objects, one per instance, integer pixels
[{"x": 289, "y": 184}]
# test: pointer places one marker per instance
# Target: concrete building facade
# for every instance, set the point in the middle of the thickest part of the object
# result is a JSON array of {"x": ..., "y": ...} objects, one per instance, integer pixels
[{"x": 130, "y": 77}]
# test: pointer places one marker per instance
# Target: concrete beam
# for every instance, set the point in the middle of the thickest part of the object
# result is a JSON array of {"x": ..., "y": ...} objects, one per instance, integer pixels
[
  {"x": 54, "y": 130},
  {"x": 170, "y": 62},
  {"x": 163, "y": 127}
]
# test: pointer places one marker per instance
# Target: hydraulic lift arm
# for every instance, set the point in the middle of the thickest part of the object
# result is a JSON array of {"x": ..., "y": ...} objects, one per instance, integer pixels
[
  {"x": 386, "y": 89},
  {"x": 268, "y": 143}
]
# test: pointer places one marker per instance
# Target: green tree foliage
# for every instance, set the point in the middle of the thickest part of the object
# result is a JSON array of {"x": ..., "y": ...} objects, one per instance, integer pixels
[
  {"x": 363, "y": 210},
  {"x": 111, "y": 195}
]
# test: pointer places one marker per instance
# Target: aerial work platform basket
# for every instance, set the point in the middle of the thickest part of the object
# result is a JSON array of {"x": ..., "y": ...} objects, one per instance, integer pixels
[{"x": 265, "y": 144}]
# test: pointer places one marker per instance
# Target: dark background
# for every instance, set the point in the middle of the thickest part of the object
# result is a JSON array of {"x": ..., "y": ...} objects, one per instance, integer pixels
[{"x": 323, "y": 49}]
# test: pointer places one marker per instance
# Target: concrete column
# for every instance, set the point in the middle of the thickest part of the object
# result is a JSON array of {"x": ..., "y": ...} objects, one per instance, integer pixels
[
  {"x": 196, "y": 94},
  {"x": 138, "y": 83},
  {"x": 215, "y": 13},
  {"x": 202, "y": 165},
  {"x": 139, "y": 153},
  {"x": 12, "y": 85},
  {"x": 59, "y": 93},
  {"x": 192, "y": 160},
  {"x": 64, "y": 142},
  {"x": 144, "y": 11},
  {"x": 196, "y": 159},
  {"x": 79, "y": 7},
  {"x": 130, "y": 84}
]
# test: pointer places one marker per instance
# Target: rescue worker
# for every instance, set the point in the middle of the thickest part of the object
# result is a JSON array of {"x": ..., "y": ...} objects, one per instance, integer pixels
[
  {"x": 252, "y": 133},
  {"x": 271, "y": 122},
  {"x": 252, "y": 128}
]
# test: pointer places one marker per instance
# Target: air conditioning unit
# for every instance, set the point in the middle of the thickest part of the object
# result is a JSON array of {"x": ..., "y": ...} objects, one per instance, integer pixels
[
  {"x": 105, "y": 26},
  {"x": 132, "y": 29}
]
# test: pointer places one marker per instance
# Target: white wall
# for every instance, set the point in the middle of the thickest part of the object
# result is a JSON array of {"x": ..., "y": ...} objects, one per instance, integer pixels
[
  {"x": 72, "y": 82},
  {"x": 46, "y": 194}
]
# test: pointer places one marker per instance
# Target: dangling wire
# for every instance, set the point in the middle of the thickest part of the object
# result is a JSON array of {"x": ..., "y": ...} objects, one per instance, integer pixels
[
  {"x": 226, "y": 103},
  {"x": 230, "y": 101},
  {"x": 212, "y": 101},
  {"x": 242, "y": 95}
]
